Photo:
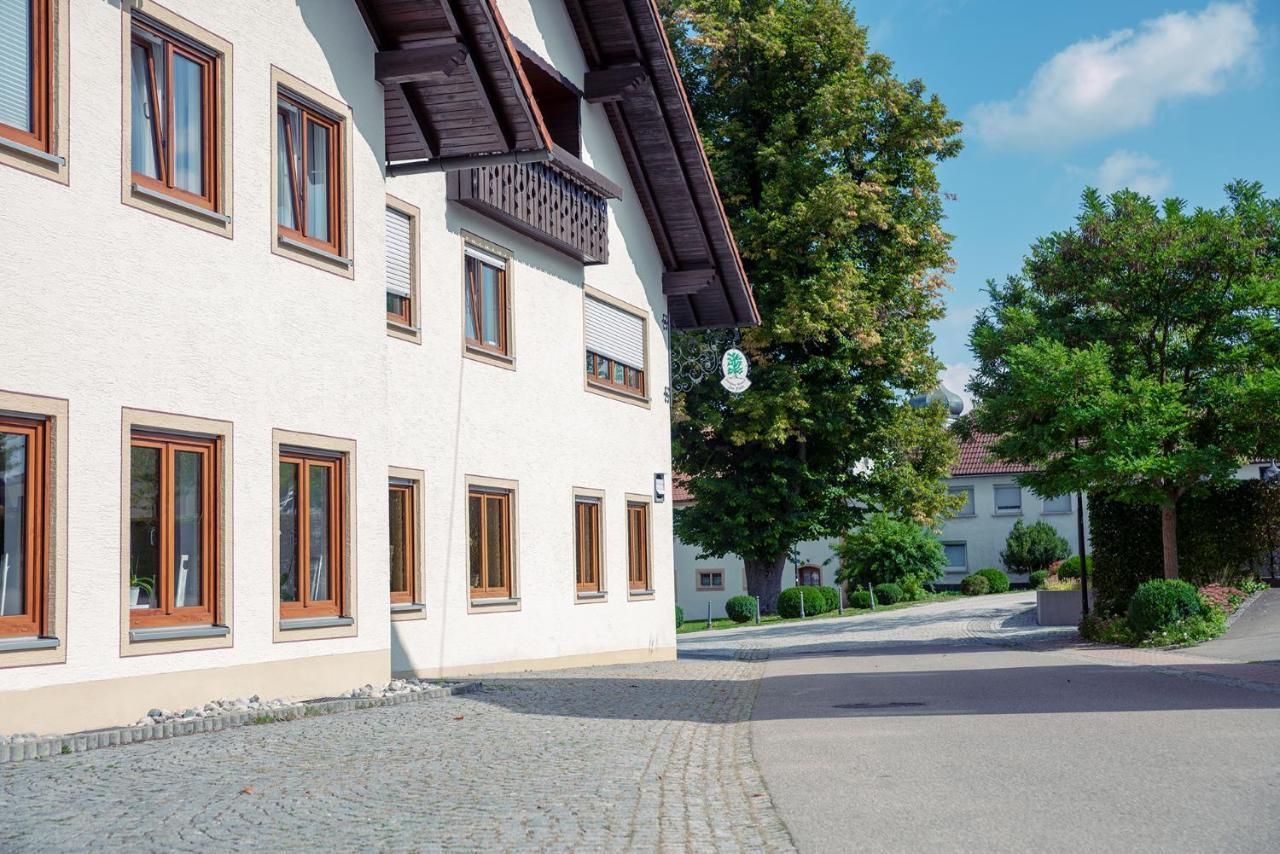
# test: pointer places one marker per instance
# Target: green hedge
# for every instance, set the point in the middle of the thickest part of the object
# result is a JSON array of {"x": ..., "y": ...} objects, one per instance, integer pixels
[
  {"x": 1223, "y": 536},
  {"x": 888, "y": 594},
  {"x": 679, "y": 616},
  {"x": 830, "y": 599},
  {"x": 997, "y": 581},
  {"x": 815, "y": 602},
  {"x": 740, "y": 609},
  {"x": 860, "y": 598},
  {"x": 1070, "y": 568},
  {"x": 974, "y": 585}
]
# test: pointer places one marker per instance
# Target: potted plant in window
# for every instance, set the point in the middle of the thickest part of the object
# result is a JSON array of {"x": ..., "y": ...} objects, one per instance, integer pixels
[{"x": 137, "y": 585}]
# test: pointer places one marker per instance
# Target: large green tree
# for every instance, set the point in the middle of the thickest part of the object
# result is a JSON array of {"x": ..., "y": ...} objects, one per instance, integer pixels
[
  {"x": 1138, "y": 353},
  {"x": 826, "y": 162}
]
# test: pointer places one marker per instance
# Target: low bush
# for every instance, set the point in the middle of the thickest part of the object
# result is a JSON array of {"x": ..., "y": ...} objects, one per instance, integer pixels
[
  {"x": 1162, "y": 602},
  {"x": 831, "y": 599},
  {"x": 1069, "y": 568},
  {"x": 815, "y": 602},
  {"x": 886, "y": 549},
  {"x": 1114, "y": 630},
  {"x": 740, "y": 609},
  {"x": 974, "y": 585},
  {"x": 679, "y": 616},
  {"x": 1032, "y": 547},
  {"x": 912, "y": 589},
  {"x": 997, "y": 581},
  {"x": 887, "y": 594},
  {"x": 1225, "y": 599},
  {"x": 860, "y": 598},
  {"x": 1196, "y": 628},
  {"x": 1038, "y": 578}
]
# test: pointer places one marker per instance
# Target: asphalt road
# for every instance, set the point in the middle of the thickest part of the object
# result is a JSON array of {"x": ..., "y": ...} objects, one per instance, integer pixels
[{"x": 947, "y": 742}]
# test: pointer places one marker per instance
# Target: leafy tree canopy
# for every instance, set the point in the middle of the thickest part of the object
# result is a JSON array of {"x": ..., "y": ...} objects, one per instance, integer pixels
[
  {"x": 887, "y": 550},
  {"x": 1138, "y": 353},
  {"x": 826, "y": 164}
]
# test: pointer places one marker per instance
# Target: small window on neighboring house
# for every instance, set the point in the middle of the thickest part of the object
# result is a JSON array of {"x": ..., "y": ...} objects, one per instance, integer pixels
[
  {"x": 173, "y": 530},
  {"x": 173, "y": 121},
  {"x": 967, "y": 492},
  {"x": 615, "y": 348},
  {"x": 403, "y": 550},
  {"x": 24, "y": 512},
  {"x": 312, "y": 542},
  {"x": 1008, "y": 499},
  {"x": 957, "y": 555},
  {"x": 308, "y": 174},
  {"x": 638, "y": 561},
  {"x": 26, "y": 79},
  {"x": 1057, "y": 504},
  {"x": 586, "y": 514},
  {"x": 485, "y": 285},
  {"x": 401, "y": 265},
  {"x": 489, "y": 535},
  {"x": 710, "y": 580},
  {"x": 809, "y": 576}
]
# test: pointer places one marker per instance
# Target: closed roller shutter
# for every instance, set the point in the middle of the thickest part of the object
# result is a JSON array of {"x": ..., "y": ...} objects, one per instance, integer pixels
[
  {"x": 399, "y": 246},
  {"x": 615, "y": 334}
]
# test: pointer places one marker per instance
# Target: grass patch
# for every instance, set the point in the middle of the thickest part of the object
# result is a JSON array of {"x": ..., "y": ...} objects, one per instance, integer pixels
[{"x": 700, "y": 625}]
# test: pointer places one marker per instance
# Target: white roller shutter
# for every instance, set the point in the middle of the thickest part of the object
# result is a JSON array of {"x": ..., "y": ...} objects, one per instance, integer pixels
[
  {"x": 399, "y": 247},
  {"x": 615, "y": 334},
  {"x": 15, "y": 63}
]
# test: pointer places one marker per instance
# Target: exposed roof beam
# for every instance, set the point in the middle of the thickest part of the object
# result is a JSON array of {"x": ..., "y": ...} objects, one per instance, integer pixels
[
  {"x": 414, "y": 64},
  {"x": 614, "y": 84},
  {"x": 421, "y": 125},
  {"x": 686, "y": 282},
  {"x": 467, "y": 161}
]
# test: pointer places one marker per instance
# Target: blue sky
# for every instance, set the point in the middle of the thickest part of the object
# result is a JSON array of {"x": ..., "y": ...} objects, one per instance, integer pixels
[{"x": 1169, "y": 97}]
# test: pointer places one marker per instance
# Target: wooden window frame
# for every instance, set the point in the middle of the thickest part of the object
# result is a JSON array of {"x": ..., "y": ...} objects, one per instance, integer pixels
[
  {"x": 405, "y": 316},
  {"x": 34, "y": 619},
  {"x": 337, "y": 177},
  {"x": 210, "y": 450},
  {"x": 639, "y": 548},
  {"x": 503, "y": 497},
  {"x": 211, "y": 133},
  {"x": 408, "y": 521},
  {"x": 712, "y": 572},
  {"x": 336, "y": 463},
  {"x": 587, "y": 511},
  {"x": 808, "y": 567},
  {"x": 595, "y": 360},
  {"x": 471, "y": 269},
  {"x": 40, "y": 137}
]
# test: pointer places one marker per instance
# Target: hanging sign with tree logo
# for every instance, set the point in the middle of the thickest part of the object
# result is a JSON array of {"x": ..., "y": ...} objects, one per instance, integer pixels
[{"x": 734, "y": 367}]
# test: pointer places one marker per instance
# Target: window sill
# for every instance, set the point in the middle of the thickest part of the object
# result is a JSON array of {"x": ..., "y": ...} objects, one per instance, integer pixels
[
  {"x": 295, "y": 623},
  {"x": 592, "y": 595},
  {"x": 1056, "y": 512},
  {"x": 489, "y": 357},
  {"x": 156, "y": 196},
  {"x": 641, "y": 594},
  {"x": 404, "y": 331},
  {"x": 178, "y": 633},
  {"x": 1007, "y": 513},
  {"x": 605, "y": 390},
  {"x": 407, "y": 608},
  {"x": 28, "y": 644},
  {"x": 308, "y": 249},
  {"x": 36, "y": 154},
  {"x": 495, "y": 603},
  {"x": 964, "y": 516}
]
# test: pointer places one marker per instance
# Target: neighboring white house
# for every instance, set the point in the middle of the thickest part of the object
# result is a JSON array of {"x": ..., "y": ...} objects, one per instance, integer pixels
[{"x": 335, "y": 343}]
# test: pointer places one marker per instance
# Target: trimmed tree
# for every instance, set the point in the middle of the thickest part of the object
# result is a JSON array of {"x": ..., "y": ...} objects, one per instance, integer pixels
[
  {"x": 826, "y": 164},
  {"x": 1032, "y": 547},
  {"x": 1138, "y": 353}
]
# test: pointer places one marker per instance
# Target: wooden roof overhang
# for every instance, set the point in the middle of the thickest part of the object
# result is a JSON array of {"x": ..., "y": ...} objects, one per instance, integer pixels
[{"x": 633, "y": 74}]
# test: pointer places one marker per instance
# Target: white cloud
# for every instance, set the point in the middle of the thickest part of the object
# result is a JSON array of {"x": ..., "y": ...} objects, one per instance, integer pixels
[
  {"x": 1105, "y": 85},
  {"x": 955, "y": 377},
  {"x": 1133, "y": 170}
]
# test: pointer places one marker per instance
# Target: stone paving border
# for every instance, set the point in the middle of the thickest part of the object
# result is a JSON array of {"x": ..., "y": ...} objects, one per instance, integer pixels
[{"x": 41, "y": 747}]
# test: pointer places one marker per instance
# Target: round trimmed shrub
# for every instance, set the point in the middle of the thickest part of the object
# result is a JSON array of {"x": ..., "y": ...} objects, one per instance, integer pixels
[
  {"x": 789, "y": 603},
  {"x": 831, "y": 599},
  {"x": 740, "y": 609},
  {"x": 860, "y": 598},
  {"x": 997, "y": 581},
  {"x": 1038, "y": 579},
  {"x": 679, "y": 616},
  {"x": 974, "y": 585},
  {"x": 888, "y": 594},
  {"x": 1162, "y": 601},
  {"x": 1070, "y": 568}
]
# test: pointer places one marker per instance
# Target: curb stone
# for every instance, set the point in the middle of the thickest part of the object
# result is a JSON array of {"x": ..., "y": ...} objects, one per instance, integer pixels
[{"x": 19, "y": 748}]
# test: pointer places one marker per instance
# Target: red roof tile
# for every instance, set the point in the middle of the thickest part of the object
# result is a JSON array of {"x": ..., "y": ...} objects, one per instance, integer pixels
[
  {"x": 679, "y": 491},
  {"x": 976, "y": 458}
]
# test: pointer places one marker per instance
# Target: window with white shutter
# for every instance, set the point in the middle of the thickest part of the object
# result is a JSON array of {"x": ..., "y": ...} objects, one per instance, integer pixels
[
  {"x": 615, "y": 345},
  {"x": 399, "y": 266},
  {"x": 25, "y": 48}
]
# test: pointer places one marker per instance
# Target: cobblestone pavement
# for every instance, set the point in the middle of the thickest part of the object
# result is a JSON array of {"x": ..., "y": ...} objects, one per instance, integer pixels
[{"x": 635, "y": 757}]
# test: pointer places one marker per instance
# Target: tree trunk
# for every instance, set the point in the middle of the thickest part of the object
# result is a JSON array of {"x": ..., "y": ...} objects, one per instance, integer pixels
[
  {"x": 1169, "y": 537},
  {"x": 764, "y": 579}
]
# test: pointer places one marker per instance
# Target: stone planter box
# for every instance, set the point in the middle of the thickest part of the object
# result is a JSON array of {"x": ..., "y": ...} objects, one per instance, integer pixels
[{"x": 1058, "y": 607}]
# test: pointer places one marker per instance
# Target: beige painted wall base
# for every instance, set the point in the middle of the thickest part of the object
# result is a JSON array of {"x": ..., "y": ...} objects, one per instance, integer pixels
[
  {"x": 590, "y": 659},
  {"x": 117, "y": 702}
]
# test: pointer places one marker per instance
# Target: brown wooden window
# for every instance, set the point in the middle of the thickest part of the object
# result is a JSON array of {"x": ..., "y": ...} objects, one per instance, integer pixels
[
  {"x": 489, "y": 532},
  {"x": 173, "y": 530},
  {"x": 403, "y": 553},
  {"x": 612, "y": 373},
  {"x": 712, "y": 580},
  {"x": 638, "y": 546},
  {"x": 174, "y": 125},
  {"x": 308, "y": 174},
  {"x": 586, "y": 514},
  {"x": 26, "y": 77},
  {"x": 809, "y": 576},
  {"x": 486, "y": 302},
  {"x": 24, "y": 513},
  {"x": 400, "y": 266},
  {"x": 312, "y": 519}
]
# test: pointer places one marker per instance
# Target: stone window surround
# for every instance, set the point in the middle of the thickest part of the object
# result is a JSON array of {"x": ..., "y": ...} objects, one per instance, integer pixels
[
  {"x": 502, "y": 360},
  {"x": 605, "y": 390},
  {"x": 53, "y": 164},
  {"x": 511, "y": 603},
  {"x": 51, "y": 648},
  {"x": 698, "y": 579},
  {"x": 413, "y": 332},
  {"x": 417, "y": 609},
  {"x": 649, "y": 594},
  {"x": 601, "y": 595}
]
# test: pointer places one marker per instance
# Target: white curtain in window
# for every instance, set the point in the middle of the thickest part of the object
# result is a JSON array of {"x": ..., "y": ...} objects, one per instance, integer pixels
[
  {"x": 142, "y": 140},
  {"x": 188, "y": 125},
  {"x": 614, "y": 333},
  {"x": 399, "y": 253},
  {"x": 317, "y": 200},
  {"x": 15, "y": 64}
]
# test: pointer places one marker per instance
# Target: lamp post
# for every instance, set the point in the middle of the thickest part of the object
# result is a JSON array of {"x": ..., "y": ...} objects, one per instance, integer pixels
[{"x": 1080, "y": 546}]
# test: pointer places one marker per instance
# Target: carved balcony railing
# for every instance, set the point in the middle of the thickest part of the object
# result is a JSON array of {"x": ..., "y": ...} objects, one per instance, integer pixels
[{"x": 560, "y": 202}]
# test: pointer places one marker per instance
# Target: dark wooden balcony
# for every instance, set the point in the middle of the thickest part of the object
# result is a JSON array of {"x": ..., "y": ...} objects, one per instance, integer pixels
[{"x": 559, "y": 201}]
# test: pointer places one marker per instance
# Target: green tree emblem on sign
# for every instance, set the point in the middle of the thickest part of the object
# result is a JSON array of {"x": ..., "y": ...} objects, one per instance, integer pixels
[
  {"x": 735, "y": 364},
  {"x": 734, "y": 367}
]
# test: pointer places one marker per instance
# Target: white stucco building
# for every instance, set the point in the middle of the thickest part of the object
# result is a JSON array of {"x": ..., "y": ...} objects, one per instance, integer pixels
[{"x": 336, "y": 343}]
